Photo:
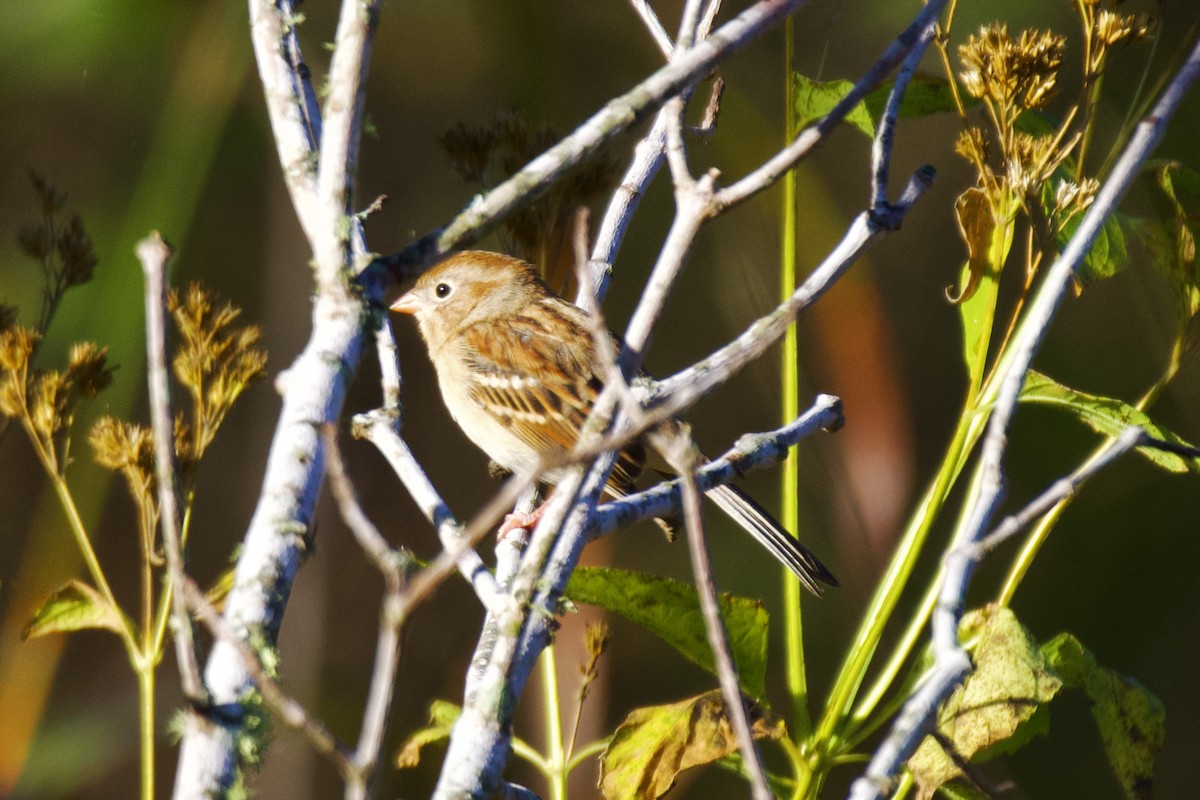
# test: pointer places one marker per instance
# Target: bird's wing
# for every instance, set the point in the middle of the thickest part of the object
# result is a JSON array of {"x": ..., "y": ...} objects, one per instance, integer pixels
[{"x": 537, "y": 374}]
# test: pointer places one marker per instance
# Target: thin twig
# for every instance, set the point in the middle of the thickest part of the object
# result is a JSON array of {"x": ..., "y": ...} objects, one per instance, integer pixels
[
  {"x": 684, "y": 388},
  {"x": 377, "y": 428},
  {"x": 810, "y": 137},
  {"x": 654, "y": 25},
  {"x": 881, "y": 147},
  {"x": 751, "y": 452},
  {"x": 314, "y": 386},
  {"x": 391, "y": 620},
  {"x": 290, "y": 710},
  {"x": 682, "y": 455},
  {"x": 154, "y": 253},
  {"x": 1060, "y": 490}
]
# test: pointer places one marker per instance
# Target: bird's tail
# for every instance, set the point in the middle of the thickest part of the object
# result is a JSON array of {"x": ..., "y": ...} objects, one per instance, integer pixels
[{"x": 743, "y": 510}]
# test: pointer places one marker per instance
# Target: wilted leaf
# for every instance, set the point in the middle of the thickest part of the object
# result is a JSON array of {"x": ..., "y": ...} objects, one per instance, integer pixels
[
  {"x": 73, "y": 606},
  {"x": 977, "y": 292},
  {"x": 1130, "y": 718},
  {"x": 1107, "y": 415},
  {"x": 654, "y": 744},
  {"x": 671, "y": 610},
  {"x": 976, "y": 223},
  {"x": 1009, "y": 682},
  {"x": 442, "y": 716}
]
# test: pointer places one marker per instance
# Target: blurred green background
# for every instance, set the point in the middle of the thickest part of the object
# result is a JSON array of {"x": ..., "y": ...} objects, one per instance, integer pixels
[{"x": 149, "y": 114}]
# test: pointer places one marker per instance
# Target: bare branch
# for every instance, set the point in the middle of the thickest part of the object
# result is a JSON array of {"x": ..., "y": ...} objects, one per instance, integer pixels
[
  {"x": 682, "y": 455},
  {"x": 391, "y": 621},
  {"x": 654, "y": 25},
  {"x": 750, "y": 452},
  {"x": 810, "y": 137},
  {"x": 881, "y": 148},
  {"x": 154, "y": 253},
  {"x": 290, "y": 710},
  {"x": 377, "y": 428}
]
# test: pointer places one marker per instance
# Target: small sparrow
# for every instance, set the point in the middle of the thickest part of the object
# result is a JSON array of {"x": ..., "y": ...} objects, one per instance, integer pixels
[{"x": 519, "y": 372}]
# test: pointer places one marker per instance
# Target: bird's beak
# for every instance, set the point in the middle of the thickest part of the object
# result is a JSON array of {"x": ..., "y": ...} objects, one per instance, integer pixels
[{"x": 407, "y": 304}]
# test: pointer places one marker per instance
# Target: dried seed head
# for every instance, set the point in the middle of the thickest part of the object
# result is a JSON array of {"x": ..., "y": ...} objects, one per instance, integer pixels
[{"x": 1011, "y": 72}]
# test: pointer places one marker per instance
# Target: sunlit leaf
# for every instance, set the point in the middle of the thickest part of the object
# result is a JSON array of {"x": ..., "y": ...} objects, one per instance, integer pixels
[
  {"x": 654, "y": 744},
  {"x": 671, "y": 610},
  {"x": 1130, "y": 718},
  {"x": 815, "y": 99},
  {"x": 925, "y": 95},
  {"x": 1010, "y": 680},
  {"x": 442, "y": 716},
  {"x": 74, "y": 606},
  {"x": 1108, "y": 254},
  {"x": 1108, "y": 416}
]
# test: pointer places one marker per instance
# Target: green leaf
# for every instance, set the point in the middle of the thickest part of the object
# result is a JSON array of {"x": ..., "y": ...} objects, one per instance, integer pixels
[
  {"x": 671, "y": 610},
  {"x": 815, "y": 99},
  {"x": 1130, "y": 718},
  {"x": 442, "y": 716},
  {"x": 1171, "y": 240},
  {"x": 925, "y": 95},
  {"x": 1010, "y": 681},
  {"x": 1108, "y": 416},
  {"x": 1109, "y": 254},
  {"x": 654, "y": 744},
  {"x": 73, "y": 606}
]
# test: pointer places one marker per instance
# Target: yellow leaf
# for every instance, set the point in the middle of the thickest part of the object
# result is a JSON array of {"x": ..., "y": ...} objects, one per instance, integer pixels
[{"x": 654, "y": 744}]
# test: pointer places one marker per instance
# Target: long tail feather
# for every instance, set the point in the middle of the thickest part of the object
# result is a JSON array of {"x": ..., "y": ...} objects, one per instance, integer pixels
[{"x": 743, "y": 510}]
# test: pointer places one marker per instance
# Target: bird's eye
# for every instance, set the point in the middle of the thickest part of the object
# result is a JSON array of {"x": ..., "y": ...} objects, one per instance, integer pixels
[{"x": 443, "y": 290}]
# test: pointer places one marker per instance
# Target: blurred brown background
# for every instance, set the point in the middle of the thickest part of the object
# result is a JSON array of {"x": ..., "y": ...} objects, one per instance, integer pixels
[{"x": 149, "y": 114}]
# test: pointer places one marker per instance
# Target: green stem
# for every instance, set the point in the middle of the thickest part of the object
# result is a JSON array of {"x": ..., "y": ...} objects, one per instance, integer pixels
[
  {"x": 145, "y": 674},
  {"x": 838, "y": 724},
  {"x": 891, "y": 586},
  {"x": 586, "y": 752},
  {"x": 556, "y": 765},
  {"x": 797, "y": 680}
]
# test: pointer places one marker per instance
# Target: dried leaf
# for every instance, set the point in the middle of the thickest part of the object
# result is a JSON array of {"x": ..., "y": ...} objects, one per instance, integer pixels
[
  {"x": 1010, "y": 681},
  {"x": 654, "y": 744},
  {"x": 1130, "y": 718}
]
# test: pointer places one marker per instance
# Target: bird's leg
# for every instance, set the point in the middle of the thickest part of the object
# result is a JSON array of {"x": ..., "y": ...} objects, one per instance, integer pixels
[{"x": 520, "y": 520}]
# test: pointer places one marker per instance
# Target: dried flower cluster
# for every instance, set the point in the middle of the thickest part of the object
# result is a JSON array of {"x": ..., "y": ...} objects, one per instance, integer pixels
[
  {"x": 216, "y": 360},
  {"x": 63, "y": 251},
  {"x": 44, "y": 401},
  {"x": 1011, "y": 73}
]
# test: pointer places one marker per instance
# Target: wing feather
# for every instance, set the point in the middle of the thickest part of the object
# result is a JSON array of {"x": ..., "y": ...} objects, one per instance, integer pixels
[{"x": 540, "y": 379}]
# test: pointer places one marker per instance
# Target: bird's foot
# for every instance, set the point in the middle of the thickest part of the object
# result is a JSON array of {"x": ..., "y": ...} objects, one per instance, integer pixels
[{"x": 520, "y": 520}]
